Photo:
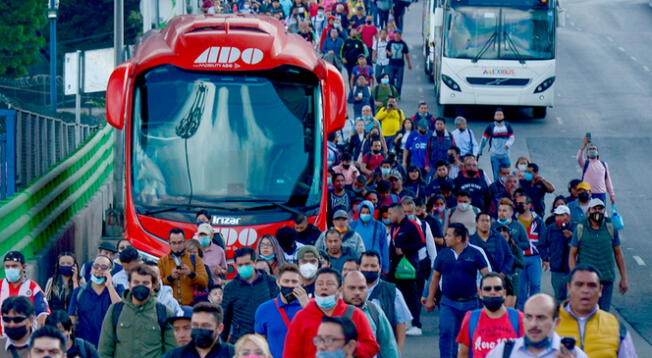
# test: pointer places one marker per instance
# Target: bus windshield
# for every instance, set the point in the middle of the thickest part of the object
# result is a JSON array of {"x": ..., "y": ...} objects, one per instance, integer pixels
[
  {"x": 500, "y": 33},
  {"x": 204, "y": 138}
]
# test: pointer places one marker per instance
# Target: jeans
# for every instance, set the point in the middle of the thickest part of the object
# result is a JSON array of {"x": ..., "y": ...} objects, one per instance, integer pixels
[
  {"x": 383, "y": 17},
  {"x": 496, "y": 161},
  {"x": 422, "y": 276},
  {"x": 409, "y": 290},
  {"x": 607, "y": 292},
  {"x": 601, "y": 196},
  {"x": 396, "y": 76},
  {"x": 380, "y": 70},
  {"x": 530, "y": 279},
  {"x": 559, "y": 280},
  {"x": 451, "y": 314}
]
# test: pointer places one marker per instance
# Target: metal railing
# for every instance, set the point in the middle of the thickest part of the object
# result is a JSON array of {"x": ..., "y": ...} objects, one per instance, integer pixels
[{"x": 37, "y": 213}]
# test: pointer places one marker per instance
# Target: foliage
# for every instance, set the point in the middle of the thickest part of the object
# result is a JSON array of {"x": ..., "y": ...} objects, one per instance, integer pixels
[{"x": 20, "y": 25}]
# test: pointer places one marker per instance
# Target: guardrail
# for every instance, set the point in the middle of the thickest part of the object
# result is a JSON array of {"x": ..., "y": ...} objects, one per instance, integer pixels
[{"x": 35, "y": 215}]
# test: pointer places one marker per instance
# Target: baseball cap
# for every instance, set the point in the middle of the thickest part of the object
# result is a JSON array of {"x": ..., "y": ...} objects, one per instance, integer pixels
[
  {"x": 15, "y": 256},
  {"x": 303, "y": 250},
  {"x": 422, "y": 123},
  {"x": 395, "y": 174},
  {"x": 205, "y": 228},
  {"x": 596, "y": 202},
  {"x": 108, "y": 246},
  {"x": 561, "y": 210},
  {"x": 584, "y": 185},
  {"x": 340, "y": 214},
  {"x": 186, "y": 313}
]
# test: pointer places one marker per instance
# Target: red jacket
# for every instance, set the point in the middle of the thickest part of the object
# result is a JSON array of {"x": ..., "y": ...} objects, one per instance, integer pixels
[{"x": 304, "y": 326}]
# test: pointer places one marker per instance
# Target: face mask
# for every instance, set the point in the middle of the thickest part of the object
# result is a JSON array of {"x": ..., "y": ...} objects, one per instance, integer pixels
[
  {"x": 267, "y": 258},
  {"x": 592, "y": 153},
  {"x": 356, "y": 190},
  {"x": 346, "y": 166},
  {"x": 326, "y": 302},
  {"x": 329, "y": 181},
  {"x": 562, "y": 223},
  {"x": 16, "y": 333},
  {"x": 98, "y": 280},
  {"x": 528, "y": 176},
  {"x": 584, "y": 197},
  {"x": 370, "y": 276},
  {"x": 493, "y": 304},
  {"x": 522, "y": 167},
  {"x": 365, "y": 217},
  {"x": 411, "y": 217},
  {"x": 464, "y": 206},
  {"x": 471, "y": 172},
  {"x": 368, "y": 22},
  {"x": 386, "y": 221},
  {"x": 202, "y": 338},
  {"x": 384, "y": 81},
  {"x": 451, "y": 159},
  {"x": 520, "y": 208},
  {"x": 12, "y": 274},
  {"x": 337, "y": 26},
  {"x": 140, "y": 292},
  {"x": 439, "y": 209},
  {"x": 503, "y": 222},
  {"x": 179, "y": 254},
  {"x": 287, "y": 294},
  {"x": 503, "y": 180},
  {"x": 320, "y": 14},
  {"x": 385, "y": 171},
  {"x": 597, "y": 217},
  {"x": 204, "y": 240},
  {"x": 337, "y": 354},
  {"x": 499, "y": 122},
  {"x": 245, "y": 271},
  {"x": 65, "y": 270},
  {"x": 546, "y": 342},
  {"x": 377, "y": 151},
  {"x": 308, "y": 270},
  {"x": 252, "y": 356}
]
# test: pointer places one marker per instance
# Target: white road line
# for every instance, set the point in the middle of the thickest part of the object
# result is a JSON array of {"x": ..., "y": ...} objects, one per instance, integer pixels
[
  {"x": 621, "y": 49},
  {"x": 633, "y": 58},
  {"x": 647, "y": 69},
  {"x": 639, "y": 261},
  {"x": 559, "y": 121}
]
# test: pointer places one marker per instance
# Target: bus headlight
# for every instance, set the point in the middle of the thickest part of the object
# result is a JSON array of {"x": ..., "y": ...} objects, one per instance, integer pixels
[
  {"x": 450, "y": 83},
  {"x": 544, "y": 85}
]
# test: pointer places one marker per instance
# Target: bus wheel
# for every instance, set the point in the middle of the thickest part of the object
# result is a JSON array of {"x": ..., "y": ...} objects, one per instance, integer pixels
[
  {"x": 539, "y": 112},
  {"x": 449, "y": 110}
]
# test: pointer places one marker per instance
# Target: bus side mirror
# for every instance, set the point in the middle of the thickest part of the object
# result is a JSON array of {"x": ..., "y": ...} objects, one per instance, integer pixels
[
  {"x": 116, "y": 95},
  {"x": 439, "y": 17},
  {"x": 334, "y": 99}
]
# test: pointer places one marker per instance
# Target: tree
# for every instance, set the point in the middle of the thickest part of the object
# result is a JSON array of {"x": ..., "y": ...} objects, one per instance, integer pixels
[{"x": 20, "y": 25}]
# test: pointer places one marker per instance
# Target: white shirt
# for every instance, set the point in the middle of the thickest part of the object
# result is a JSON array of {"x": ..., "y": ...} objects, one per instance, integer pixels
[
  {"x": 465, "y": 141},
  {"x": 520, "y": 351},
  {"x": 380, "y": 47}
]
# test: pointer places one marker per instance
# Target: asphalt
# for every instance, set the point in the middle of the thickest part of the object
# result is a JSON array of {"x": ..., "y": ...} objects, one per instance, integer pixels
[{"x": 604, "y": 86}]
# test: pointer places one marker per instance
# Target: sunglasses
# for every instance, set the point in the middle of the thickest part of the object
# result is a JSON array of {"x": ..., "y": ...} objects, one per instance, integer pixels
[
  {"x": 490, "y": 288},
  {"x": 101, "y": 267},
  {"x": 15, "y": 319}
]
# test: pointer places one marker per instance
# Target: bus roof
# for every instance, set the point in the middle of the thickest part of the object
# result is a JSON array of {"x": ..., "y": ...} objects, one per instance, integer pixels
[
  {"x": 232, "y": 42},
  {"x": 523, "y": 4}
]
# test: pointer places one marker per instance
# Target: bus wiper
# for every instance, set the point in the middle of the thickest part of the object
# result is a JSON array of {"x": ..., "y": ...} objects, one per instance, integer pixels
[
  {"x": 186, "y": 207},
  {"x": 485, "y": 47},
  {"x": 512, "y": 46}
]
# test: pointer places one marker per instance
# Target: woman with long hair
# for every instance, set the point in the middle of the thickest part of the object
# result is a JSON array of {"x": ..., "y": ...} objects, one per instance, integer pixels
[
  {"x": 270, "y": 250},
  {"x": 63, "y": 282}
]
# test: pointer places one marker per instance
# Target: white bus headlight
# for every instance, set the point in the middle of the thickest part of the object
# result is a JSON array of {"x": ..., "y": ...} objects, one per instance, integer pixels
[
  {"x": 544, "y": 85},
  {"x": 450, "y": 83}
]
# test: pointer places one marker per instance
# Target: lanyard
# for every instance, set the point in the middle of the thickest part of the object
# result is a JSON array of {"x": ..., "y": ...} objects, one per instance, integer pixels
[{"x": 284, "y": 315}]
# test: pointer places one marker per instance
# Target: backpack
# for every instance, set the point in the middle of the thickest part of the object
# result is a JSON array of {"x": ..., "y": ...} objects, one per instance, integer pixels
[
  {"x": 580, "y": 230},
  {"x": 364, "y": 73},
  {"x": 586, "y": 167},
  {"x": 475, "y": 318},
  {"x": 161, "y": 316}
]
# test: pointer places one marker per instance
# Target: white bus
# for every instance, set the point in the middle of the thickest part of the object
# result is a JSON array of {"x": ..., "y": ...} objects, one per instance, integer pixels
[{"x": 491, "y": 52}]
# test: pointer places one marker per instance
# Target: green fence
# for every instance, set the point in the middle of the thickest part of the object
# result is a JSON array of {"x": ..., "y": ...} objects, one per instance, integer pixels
[{"x": 34, "y": 215}]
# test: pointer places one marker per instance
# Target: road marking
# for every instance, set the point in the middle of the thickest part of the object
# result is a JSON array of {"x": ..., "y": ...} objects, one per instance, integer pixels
[
  {"x": 633, "y": 58},
  {"x": 559, "y": 121},
  {"x": 639, "y": 261},
  {"x": 647, "y": 69},
  {"x": 621, "y": 49},
  {"x": 610, "y": 39}
]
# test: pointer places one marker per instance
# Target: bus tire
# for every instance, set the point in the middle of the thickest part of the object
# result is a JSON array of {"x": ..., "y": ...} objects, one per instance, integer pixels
[
  {"x": 449, "y": 110},
  {"x": 539, "y": 112}
]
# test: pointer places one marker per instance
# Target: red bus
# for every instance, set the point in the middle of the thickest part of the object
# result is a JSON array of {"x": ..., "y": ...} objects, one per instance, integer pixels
[{"x": 227, "y": 113}]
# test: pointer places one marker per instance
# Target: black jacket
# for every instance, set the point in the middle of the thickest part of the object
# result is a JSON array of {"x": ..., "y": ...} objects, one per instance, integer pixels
[
  {"x": 407, "y": 236},
  {"x": 220, "y": 350}
]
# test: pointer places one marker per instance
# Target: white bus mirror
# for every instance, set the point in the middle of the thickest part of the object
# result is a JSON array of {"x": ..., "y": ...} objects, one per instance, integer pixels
[{"x": 439, "y": 17}]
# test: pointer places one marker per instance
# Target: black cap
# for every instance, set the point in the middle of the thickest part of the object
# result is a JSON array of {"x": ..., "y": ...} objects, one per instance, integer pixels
[
  {"x": 186, "y": 314},
  {"x": 15, "y": 256},
  {"x": 108, "y": 246}
]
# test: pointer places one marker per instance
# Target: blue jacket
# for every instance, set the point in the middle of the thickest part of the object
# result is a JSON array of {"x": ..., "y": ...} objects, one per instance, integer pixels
[
  {"x": 502, "y": 260},
  {"x": 438, "y": 147},
  {"x": 376, "y": 243},
  {"x": 554, "y": 247},
  {"x": 577, "y": 214},
  {"x": 333, "y": 45}
]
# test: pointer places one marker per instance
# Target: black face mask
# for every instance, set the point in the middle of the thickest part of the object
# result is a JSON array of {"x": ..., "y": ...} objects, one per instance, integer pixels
[
  {"x": 140, "y": 292},
  {"x": 346, "y": 166},
  {"x": 287, "y": 294},
  {"x": 584, "y": 196},
  {"x": 376, "y": 151},
  {"x": 597, "y": 217},
  {"x": 451, "y": 159},
  {"x": 368, "y": 22},
  {"x": 471, "y": 172},
  {"x": 179, "y": 254},
  {"x": 493, "y": 304},
  {"x": 370, "y": 276},
  {"x": 520, "y": 208},
  {"x": 16, "y": 333},
  {"x": 202, "y": 338}
]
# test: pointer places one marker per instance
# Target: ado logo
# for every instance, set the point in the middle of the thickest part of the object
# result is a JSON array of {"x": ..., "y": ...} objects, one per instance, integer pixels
[{"x": 216, "y": 55}]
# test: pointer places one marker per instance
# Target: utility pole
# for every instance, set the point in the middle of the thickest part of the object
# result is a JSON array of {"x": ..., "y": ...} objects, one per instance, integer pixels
[
  {"x": 119, "y": 144},
  {"x": 52, "y": 17}
]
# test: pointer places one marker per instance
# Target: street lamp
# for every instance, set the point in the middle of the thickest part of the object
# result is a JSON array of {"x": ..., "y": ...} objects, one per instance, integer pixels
[{"x": 52, "y": 17}]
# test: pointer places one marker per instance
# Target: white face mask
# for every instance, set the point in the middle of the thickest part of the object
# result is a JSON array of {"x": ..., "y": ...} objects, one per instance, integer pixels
[{"x": 308, "y": 270}]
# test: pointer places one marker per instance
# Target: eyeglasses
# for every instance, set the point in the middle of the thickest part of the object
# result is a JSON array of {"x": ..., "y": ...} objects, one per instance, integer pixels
[
  {"x": 266, "y": 245},
  {"x": 15, "y": 319},
  {"x": 101, "y": 267},
  {"x": 326, "y": 340},
  {"x": 490, "y": 288}
]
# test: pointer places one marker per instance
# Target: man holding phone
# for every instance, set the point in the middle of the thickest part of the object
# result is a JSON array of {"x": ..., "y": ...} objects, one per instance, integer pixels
[
  {"x": 541, "y": 317},
  {"x": 595, "y": 171},
  {"x": 391, "y": 118}
]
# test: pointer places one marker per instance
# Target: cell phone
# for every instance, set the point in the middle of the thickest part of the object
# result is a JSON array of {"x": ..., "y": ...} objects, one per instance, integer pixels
[
  {"x": 564, "y": 225},
  {"x": 588, "y": 135},
  {"x": 569, "y": 343}
]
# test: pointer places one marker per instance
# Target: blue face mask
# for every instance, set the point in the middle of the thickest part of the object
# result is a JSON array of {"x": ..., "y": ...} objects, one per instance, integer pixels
[
  {"x": 386, "y": 221},
  {"x": 411, "y": 217},
  {"x": 326, "y": 302},
  {"x": 329, "y": 181},
  {"x": 204, "y": 240},
  {"x": 385, "y": 171},
  {"x": 503, "y": 222},
  {"x": 384, "y": 81},
  {"x": 337, "y": 354},
  {"x": 365, "y": 217},
  {"x": 546, "y": 342},
  {"x": 245, "y": 271},
  {"x": 267, "y": 258},
  {"x": 528, "y": 176},
  {"x": 12, "y": 274},
  {"x": 98, "y": 280}
]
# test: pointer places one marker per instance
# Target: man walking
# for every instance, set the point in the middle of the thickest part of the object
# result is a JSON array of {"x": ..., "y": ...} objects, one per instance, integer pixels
[
  {"x": 500, "y": 137},
  {"x": 373, "y": 232},
  {"x": 464, "y": 138},
  {"x": 18, "y": 319},
  {"x": 595, "y": 171},
  {"x": 554, "y": 247},
  {"x": 534, "y": 228},
  {"x": 399, "y": 54}
]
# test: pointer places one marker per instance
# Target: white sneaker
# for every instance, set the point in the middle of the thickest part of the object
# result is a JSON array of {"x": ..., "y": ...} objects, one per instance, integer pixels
[{"x": 413, "y": 331}]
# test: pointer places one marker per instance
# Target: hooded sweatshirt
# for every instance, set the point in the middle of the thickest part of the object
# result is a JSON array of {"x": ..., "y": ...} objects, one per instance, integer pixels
[{"x": 376, "y": 242}]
